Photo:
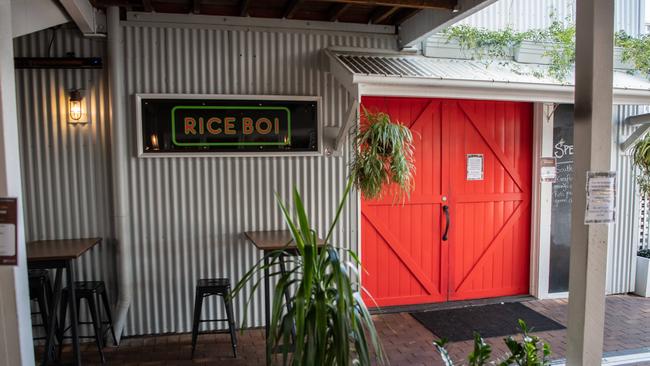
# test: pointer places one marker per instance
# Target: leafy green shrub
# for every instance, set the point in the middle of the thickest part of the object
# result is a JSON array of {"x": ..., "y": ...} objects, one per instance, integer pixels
[
  {"x": 560, "y": 36},
  {"x": 529, "y": 351},
  {"x": 635, "y": 50}
]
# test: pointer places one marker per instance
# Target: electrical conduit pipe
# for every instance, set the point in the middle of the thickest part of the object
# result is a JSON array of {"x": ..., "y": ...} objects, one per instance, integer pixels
[{"x": 119, "y": 159}]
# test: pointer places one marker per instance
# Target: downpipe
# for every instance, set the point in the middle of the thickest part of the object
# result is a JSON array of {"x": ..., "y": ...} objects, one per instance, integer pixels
[{"x": 119, "y": 160}]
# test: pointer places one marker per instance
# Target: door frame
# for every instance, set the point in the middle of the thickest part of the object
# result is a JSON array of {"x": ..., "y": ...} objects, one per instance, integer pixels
[{"x": 541, "y": 195}]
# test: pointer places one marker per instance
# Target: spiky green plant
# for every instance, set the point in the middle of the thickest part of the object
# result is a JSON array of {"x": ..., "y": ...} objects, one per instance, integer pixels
[
  {"x": 530, "y": 351},
  {"x": 331, "y": 323},
  {"x": 383, "y": 156},
  {"x": 641, "y": 159}
]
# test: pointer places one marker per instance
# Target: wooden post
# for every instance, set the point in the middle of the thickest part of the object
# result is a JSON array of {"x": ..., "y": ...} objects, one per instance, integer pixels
[
  {"x": 16, "y": 347},
  {"x": 593, "y": 126}
]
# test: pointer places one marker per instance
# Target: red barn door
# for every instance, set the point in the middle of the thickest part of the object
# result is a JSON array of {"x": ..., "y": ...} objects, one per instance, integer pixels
[{"x": 404, "y": 258}]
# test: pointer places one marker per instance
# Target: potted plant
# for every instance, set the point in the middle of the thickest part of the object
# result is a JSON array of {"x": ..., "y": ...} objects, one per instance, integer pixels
[
  {"x": 642, "y": 283},
  {"x": 325, "y": 320},
  {"x": 328, "y": 323},
  {"x": 439, "y": 45},
  {"x": 384, "y": 156},
  {"x": 641, "y": 160},
  {"x": 534, "y": 52}
]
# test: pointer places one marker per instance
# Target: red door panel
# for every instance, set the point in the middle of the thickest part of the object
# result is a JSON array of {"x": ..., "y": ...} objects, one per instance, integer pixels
[
  {"x": 401, "y": 252},
  {"x": 403, "y": 257},
  {"x": 490, "y": 240}
]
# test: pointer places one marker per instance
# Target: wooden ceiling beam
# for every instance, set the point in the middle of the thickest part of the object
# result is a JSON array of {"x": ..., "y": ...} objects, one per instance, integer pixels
[
  {"x": 404, "y": 15},
  {"x": 291, "y": 9},
  {"x": 415, "y": 4},
  {"x": 146, "y": 5},
  {"x": 337, "y": 10},
  {"x": 382, "y": 14},
  {"x": 243, "y": 7},
  {"x": 107, "y": 3}
]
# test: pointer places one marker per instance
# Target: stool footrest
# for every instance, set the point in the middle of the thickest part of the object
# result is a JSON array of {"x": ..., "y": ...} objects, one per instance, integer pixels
[{"x": 213, "y": 320}]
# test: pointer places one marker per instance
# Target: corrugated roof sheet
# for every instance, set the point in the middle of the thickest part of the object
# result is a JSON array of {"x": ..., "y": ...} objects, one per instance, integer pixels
[{"x": 504, "y": 71}]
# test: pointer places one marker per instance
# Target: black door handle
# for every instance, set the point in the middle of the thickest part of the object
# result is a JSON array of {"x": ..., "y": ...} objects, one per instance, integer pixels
[{"x": 445, "y": 209}]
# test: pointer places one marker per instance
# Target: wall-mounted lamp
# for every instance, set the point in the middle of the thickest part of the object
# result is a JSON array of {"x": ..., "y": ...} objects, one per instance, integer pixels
[{"x": 77, "y": 113}]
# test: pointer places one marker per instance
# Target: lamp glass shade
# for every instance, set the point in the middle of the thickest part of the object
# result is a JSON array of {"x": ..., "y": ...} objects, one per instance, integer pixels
[
  {"x": 74, "y": 108},
  {"x": 77, "y": 108}
]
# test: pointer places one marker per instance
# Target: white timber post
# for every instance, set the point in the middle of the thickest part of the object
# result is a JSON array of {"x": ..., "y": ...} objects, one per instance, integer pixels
[
  {"x": 542, "y": 201},
  {"x": 16, "y": 347},
  {"x": 592, "y": 152}
]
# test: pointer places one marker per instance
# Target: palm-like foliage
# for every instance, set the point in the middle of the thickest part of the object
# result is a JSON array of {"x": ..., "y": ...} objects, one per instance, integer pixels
[
  {"x": 641, "y": 159},
  {"x": 332, "y": 325},
  {"x": 384, "y": 155}
]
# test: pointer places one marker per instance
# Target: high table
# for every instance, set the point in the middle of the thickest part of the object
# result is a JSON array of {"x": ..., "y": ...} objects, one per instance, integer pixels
[
  {"x": 59, "y": 255},
  {"x": 268, "y": 242}
]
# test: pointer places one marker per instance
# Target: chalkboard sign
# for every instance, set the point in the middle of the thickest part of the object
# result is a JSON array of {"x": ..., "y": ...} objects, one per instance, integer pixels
[
  {"x": 562, "y": 199},
  {"x": 188, "y": 124}
]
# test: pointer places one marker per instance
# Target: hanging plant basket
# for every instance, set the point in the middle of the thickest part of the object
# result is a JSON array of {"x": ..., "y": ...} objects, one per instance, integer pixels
[{"x": 384, "y": 156}]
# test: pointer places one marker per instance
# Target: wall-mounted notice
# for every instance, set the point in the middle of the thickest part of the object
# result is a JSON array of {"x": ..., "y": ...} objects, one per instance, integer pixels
[
  {"x": 8, "y": 238},
  {"x": 601, "y": 198},
  {"x": 474, "y": 166},
  {"x": 186, "y": 124},
  {"x": 548, "y": 170}
]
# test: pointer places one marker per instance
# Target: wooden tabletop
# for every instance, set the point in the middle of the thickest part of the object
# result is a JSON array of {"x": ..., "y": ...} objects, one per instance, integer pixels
[
  {"x": 273, "y": 240},
  {"x": 63, "y": 249}
]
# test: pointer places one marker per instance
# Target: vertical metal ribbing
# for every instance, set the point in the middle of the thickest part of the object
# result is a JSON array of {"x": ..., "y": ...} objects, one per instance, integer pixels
[
  {"x": 523, "y": 15},
  {"x": 626, "y": 233}
]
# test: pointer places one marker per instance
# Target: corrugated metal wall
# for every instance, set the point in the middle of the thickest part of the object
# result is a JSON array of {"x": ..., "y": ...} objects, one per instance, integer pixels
[
  {"x": 536, "y": 14},
  {"x": 66, "y": 169},
  {"x": 622, "y": 249},
  {"x": 188, "y": 213}
]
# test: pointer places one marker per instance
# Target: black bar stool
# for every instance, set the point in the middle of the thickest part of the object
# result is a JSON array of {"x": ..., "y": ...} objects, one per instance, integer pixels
[
  {"x": 207, "y": 287},
  {"x": 92, "y": 291},
  {"x": 40, "y": 290}
]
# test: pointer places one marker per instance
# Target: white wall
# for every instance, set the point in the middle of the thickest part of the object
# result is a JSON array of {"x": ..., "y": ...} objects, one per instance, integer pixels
[{"x": 29, "y": 16}]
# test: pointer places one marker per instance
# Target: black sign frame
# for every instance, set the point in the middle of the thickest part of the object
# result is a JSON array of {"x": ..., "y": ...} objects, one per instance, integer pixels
[{"x": 188, "y": 103}]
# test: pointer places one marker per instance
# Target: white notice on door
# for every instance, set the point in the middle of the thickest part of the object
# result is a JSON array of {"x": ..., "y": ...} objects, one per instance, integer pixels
[
  {"x": 548, "y": 170},
  {"x": 474, "y": 166},
  {"x": 7, "y": 240},
  {"x": 601, "y": 198}
]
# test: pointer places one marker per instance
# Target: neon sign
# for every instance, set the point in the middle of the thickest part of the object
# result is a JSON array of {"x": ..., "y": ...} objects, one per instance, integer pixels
[
  {"x": 236, "y": 124},
  {"x": 231, "y": 126}
]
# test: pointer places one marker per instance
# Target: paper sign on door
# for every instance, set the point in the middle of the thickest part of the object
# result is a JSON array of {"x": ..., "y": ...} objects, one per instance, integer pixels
[
  {"x": 548, "y": 170},
  {"x": 8, "y": 222},
  {"x": 601, "y": 198},
  {"x": 474, "y": 166}
]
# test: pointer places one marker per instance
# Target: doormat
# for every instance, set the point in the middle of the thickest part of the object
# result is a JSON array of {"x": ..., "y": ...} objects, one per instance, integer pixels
[{"x": 494, "y": 320}]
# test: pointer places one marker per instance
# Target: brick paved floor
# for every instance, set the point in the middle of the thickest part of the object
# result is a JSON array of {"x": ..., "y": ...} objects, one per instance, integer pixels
[{"x": 406, "y": 341}]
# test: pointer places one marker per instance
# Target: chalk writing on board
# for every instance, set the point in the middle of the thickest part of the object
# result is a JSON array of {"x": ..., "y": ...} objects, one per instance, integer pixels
[
  {"x": 562, "y": 149},
  {"x": 562, "y": 192}
]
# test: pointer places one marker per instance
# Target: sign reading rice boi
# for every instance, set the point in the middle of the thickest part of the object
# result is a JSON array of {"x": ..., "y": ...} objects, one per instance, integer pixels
[{"x": 228, "y": 125}]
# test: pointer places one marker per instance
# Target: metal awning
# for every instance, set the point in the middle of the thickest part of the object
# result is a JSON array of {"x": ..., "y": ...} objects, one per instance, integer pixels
[{"x": 372, "y": 73}]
